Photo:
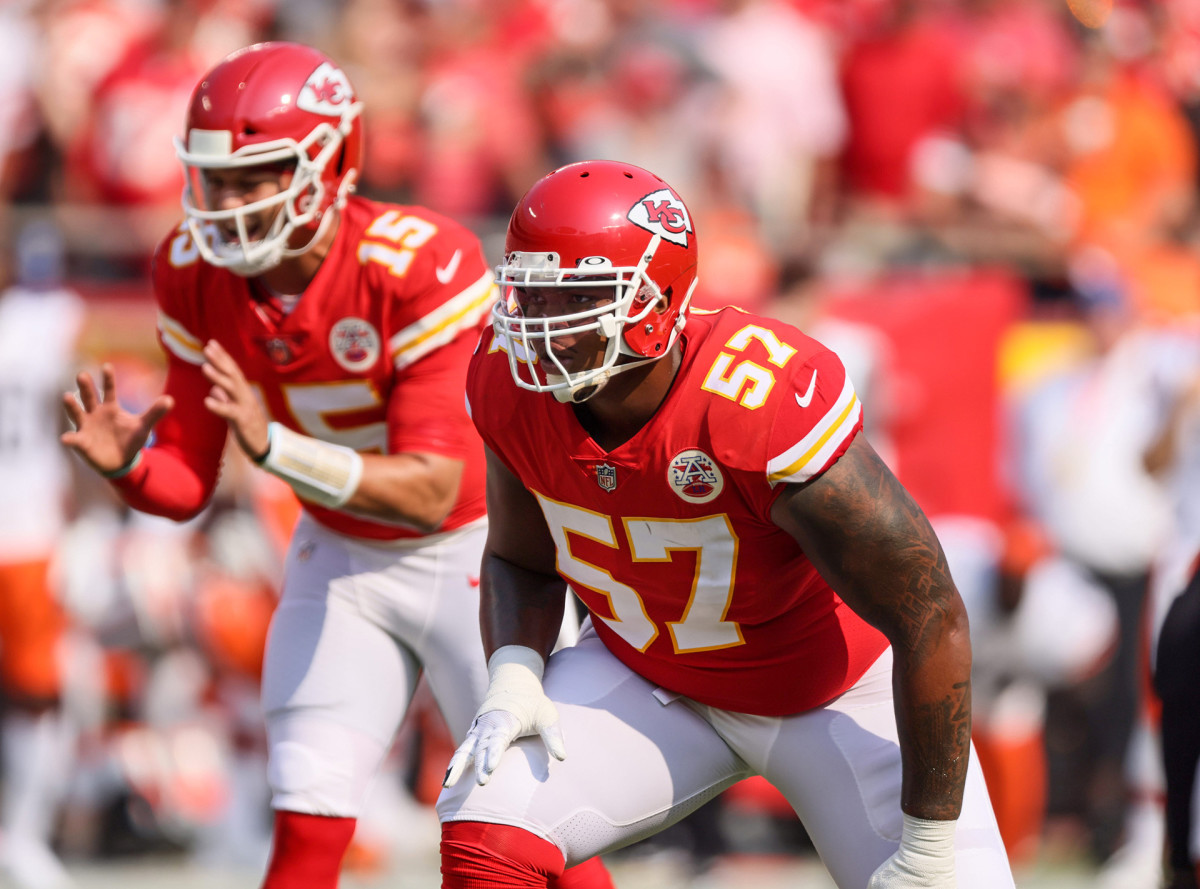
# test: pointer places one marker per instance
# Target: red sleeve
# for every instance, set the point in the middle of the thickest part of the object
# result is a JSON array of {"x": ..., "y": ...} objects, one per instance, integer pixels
[
  {"x": 178, "y": 472},
  {"x": 427, "y": 411}
]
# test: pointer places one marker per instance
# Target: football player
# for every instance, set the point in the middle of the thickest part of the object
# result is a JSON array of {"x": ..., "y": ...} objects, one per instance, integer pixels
[
  {"x": 330, "y": 334},
  {"x": 40, "y": 320},
  {"x": 764, "y": 597}
]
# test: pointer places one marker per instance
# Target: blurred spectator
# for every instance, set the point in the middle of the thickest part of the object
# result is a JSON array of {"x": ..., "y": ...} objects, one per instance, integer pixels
[
  {"x": 386, "y": 47},
  {"x": 19, "y": 39},
  {"x": 1130, "y": 155},
  {"x": 1082, "y": 434},
  {"x": 480, "y": 149},
  {"x": 780, "y": 122},
  {"x": 902, "y": 83},
  {"x": 118, "y": 149}
]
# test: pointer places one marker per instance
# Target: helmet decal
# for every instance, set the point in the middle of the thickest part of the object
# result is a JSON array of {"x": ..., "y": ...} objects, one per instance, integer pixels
[
  {"x": 327, "y": 91},
  {"x": 663, "y": 213}
]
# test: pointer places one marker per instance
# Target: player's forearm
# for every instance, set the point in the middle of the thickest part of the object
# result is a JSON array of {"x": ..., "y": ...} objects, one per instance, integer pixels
[
  {"x": 932, "y": 687},
  {"x": 164, "y": 484},
  {"x": 519, "y": 607},
  {"x": 417, "y": 490}
]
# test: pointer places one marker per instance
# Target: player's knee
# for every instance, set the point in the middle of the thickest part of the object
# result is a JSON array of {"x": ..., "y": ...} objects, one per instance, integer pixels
[
  {"x": 319, "y": 766},
  {"x": 476, "y": 854},
  {"x": 305, "y": 778}
]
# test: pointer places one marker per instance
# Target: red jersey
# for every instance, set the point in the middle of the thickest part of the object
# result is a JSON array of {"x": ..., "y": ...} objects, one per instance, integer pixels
[
  {"x": 373, "y": 355},
  {"x": 668, "y": 538}
]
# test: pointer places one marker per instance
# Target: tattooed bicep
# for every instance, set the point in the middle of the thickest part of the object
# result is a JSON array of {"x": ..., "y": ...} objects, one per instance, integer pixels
[{"x": 872, "y": 543}]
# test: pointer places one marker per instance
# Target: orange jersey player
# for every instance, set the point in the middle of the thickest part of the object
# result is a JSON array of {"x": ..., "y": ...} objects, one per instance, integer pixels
[
  {"x": 40, "y": 321},
  {"x": 330, "y": 334}
]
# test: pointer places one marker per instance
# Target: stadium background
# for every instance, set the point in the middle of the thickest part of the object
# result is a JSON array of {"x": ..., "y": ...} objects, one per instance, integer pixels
[{"x": 955, "y": 191}]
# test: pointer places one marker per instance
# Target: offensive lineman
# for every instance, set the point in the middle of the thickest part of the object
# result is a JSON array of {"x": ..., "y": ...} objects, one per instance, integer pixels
[{"x": 765, "y": 597}]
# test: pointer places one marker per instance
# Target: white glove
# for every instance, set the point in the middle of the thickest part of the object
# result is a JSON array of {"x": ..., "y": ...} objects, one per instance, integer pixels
[
  {"x": 925, "y": 859},
  {"x": 513, "y": 707}
]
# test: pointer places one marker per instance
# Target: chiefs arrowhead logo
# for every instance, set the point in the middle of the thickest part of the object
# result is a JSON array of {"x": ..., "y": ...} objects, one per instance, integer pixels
[
  {"x": 327, "y": 91},
  {"x": 663, "y": 213}
]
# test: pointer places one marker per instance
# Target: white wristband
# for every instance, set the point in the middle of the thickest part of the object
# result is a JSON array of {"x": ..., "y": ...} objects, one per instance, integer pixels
[
  {"x": 513, "y": 662},
  {"x": 931, "y": 840},
  {"x": 318, "y": 471}
]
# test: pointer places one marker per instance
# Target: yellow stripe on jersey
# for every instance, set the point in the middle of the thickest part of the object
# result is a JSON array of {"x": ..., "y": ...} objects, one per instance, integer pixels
[
  {"x": 805, "y": 459},
  {"x": 181, "y": 343},
  {"x": 444, "y": 323}
]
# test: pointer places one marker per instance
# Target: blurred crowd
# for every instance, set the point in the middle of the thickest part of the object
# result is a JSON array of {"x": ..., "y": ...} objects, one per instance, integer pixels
[{"x": 989, "y": 210}]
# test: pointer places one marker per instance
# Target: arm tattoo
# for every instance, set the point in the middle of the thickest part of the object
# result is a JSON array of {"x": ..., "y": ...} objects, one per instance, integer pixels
[{"x": 871, "y": 541}]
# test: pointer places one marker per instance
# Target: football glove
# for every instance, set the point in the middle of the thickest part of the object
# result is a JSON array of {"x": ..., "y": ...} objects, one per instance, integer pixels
[
  {"x": 514, "y": 706},
  {"x": 925, "y": 859}
]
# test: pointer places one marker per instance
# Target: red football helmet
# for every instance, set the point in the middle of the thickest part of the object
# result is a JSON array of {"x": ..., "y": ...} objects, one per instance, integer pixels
[
  {"x": 593, "y": 224},
  {"x": 271, "y": 104}
]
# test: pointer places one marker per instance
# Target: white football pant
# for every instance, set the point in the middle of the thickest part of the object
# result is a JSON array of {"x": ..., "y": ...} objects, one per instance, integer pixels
[{"x": 639, "y": 758}]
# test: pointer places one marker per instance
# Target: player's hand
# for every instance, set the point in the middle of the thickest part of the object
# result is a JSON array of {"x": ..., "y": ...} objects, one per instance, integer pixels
[
  {"x": 515, "y": 706},
  {"x": 107, "y": 436},
  {"x": 925, "y": 859},
  {"x": 233, "y": 400}
]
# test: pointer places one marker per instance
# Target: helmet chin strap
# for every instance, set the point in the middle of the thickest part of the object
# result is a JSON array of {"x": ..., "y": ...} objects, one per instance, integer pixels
[{"x": 577, "y": 393}]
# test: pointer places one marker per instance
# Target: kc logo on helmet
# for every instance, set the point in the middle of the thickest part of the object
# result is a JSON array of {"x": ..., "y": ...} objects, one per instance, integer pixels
[
  {"x": 327, "y": 91},
  {"x": 663, "y": 214}
]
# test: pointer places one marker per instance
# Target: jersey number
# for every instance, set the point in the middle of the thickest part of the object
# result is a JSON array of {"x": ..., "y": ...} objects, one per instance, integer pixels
[
  {"x": 747, "y": 383},
  {"x": 702, "y": 625},
  {"x": 315, "y": 407},
  {"x": 406, "y": 233}
]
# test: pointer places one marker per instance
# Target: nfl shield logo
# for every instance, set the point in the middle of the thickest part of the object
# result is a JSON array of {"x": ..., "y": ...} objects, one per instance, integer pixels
[{"x": 606, "y": 476}]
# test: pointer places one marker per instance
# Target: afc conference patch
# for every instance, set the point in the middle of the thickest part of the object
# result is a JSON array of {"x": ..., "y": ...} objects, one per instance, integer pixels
[
  {"x": 355, "y": 344},
  {"x": 694, "y": 476}
]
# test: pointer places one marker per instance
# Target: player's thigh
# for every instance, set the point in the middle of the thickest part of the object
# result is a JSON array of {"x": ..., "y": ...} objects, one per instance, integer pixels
[
  {"x": 335, "y": 684},
  {"x": 442, "y": 626},
  {"x": 637, "y": 761},
  {"x": 839, "y": 766}
]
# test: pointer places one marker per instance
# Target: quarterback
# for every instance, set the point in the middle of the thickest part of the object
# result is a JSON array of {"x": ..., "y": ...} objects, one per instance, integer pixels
[
  {"x": 330, "y": 334},
  {"x": 764, "y": 597}
]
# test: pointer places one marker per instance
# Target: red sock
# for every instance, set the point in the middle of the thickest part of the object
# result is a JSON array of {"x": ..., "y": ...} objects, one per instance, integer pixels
[
  {"x": 592, "y": 874},
  {"x": 307, "y": 851},
  {"x": 476, "y": 855}
]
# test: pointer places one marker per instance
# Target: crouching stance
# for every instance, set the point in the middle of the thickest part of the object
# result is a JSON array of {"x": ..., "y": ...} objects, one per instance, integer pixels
[{"x": 764, "y": 596}]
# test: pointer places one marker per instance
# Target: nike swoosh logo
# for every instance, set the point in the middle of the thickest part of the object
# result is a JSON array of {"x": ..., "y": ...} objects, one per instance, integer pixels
[
  {"x": 812, "y": 386},
  {"x": 446, "y": 272}
]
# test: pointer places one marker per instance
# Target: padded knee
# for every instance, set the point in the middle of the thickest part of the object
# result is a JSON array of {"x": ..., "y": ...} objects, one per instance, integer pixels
[{"x": 320, "y": 768}]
